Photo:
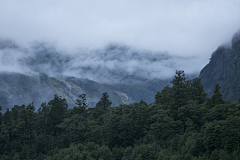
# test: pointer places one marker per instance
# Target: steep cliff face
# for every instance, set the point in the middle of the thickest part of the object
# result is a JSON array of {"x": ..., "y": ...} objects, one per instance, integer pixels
[{"x": 224, "y": 69}]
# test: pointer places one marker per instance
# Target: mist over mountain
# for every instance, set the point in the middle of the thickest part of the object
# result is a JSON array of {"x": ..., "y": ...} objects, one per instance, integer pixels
[
  {"x": 131, "y": 48},
  {"x": 110, "y": 64},
  {"x": 126, "y": 73},
  {"x": 36, "y": 73},
  {"x": 120, "y": 80}
]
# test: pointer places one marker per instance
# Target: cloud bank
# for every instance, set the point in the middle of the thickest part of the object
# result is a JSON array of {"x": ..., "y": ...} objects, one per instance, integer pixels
[
  {"x": 184, "y": 28},
  {"x": 112, "y": 64},
  {"x": 116, "y": 63}
]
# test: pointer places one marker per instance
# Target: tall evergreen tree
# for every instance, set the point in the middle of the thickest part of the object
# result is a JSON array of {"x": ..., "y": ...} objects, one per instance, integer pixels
[
  {"x": 30, "y": 121},
  {"x": 197, "y": 91},
  {"x": 4, "y": 137},
  {"x": 165, "y": 97},
  {"x": 58, "y": 108},
  {"x": 181, "y": 93},
  {"x": 7, "y": 119},
  {"x": 21, "y": 125},
  {"x": 217, "y": 96},
  {"x": 43, "y": 119},
  {"x": 104, "y": 102},
  {"x": 43, "y": 129},
  {"x": 101, "y": 107},
  {"x": 81, "y": 105},
  {"x": 99, "y": 116}
]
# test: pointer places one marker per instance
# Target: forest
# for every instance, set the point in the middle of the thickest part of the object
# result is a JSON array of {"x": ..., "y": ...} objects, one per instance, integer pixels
[{"x": 181, "y": 124}]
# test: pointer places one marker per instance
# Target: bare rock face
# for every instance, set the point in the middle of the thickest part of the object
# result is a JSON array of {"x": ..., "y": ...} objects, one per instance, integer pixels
[{"x": 224, "y": 69}]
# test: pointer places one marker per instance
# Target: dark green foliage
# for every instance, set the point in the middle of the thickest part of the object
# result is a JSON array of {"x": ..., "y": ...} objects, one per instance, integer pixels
[
  {"x": 181, "y": 94},
  {"x": 181, "y": 124},
  {"x": 144, "y": 151},
  {"x": 197, "y": 92},
  {"x": 81, "y": 105},
  {"x": 173, "y": 99},
  {"x": 57, "y": 112},
  {"x": 165, "y": 97},
  {"x": 217, "y": 96},
  {"x": 102, "y": 107}
]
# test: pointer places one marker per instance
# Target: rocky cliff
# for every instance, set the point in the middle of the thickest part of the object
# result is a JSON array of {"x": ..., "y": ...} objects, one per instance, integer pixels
[{"x": 224, "y": 69}]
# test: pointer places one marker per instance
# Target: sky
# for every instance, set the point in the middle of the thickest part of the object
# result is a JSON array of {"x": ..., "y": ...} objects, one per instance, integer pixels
[{"x": 187, "y": 28}]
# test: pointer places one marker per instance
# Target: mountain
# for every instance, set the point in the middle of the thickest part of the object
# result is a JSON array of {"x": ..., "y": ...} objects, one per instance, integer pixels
[
  {"x": 36, "y": 74},
  {"x": 21, "y": 89},
  {"x": 224, "y": 69},
  {"x": 18, "y": 89}
]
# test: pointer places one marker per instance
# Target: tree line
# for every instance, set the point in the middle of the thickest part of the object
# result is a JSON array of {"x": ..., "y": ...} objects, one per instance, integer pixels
[{"x": 182, "y": 124}]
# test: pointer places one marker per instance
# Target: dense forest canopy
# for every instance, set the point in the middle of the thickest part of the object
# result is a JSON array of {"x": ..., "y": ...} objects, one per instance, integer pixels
[{"x": 182, "y": 123}]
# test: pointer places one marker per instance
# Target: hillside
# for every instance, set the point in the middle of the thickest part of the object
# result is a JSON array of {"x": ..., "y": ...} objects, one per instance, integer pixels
[
  {"x": 37, "y": 74},
  {"x": 18, "y": 89},
  {"x": 224, "y": 69},
  {"x": 178, "y": 125}
]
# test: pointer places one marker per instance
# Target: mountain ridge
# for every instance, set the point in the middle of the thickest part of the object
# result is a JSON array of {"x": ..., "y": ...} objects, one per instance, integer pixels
[
  {"x": 44, "y": 68},
  {"x": 224, "y": 69}
]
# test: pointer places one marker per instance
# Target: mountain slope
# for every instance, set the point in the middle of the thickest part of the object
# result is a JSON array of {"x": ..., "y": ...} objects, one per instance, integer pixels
[
  {"x": 224, "y": 69},
  {"x": 18, "y": 89},
  {"x": 35, "y": 74}
]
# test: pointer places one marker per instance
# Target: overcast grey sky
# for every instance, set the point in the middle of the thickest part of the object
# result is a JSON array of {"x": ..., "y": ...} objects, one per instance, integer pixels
[{"x": 179, "y": 27}]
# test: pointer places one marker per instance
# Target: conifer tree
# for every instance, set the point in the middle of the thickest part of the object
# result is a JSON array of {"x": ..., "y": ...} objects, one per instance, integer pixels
[
  {"x": 165, "y": 97},
  {"x": 58, "y": 107},
  {"x": 104, "y": 102},
  {"x": 181, "y": 94},
  {"x": 30, "y": 121},
  {"x": 217, "y": 96},
  {"x": 81, "y": 105},
  {"x": 102, "y": 106},
  {"x": 4, "y": 135},
  {"x": 197, "y": 91},
  {"x": 43, "y": 118}
]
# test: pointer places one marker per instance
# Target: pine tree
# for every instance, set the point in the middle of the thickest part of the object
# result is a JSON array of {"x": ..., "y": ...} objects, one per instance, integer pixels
[
  {"x": 101, "y": 107},
  {"x": 104, "y": 102},
  {"x": 30, "y": 121},
  {"x": 81, "y": 105},
  {"x": 197, "y": 91},
  {"x": 4, "y": 137},
  {"x": 165, "y": 97},
  {"x": 58, "y": 108},
  {"x": 181, "y": 93},
  {"x": 217, "y": 96},
  {"x": 42, "y": 119}
]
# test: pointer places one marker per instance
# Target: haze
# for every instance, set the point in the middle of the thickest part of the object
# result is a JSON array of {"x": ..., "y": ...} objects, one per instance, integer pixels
[{"x": 186, "y": 28}]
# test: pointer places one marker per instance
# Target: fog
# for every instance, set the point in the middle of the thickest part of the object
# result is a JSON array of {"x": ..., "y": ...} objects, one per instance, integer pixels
[
  {"x": 111, "y": 64},
  {"x": 10, "y": 61},
  {"x": 185, "y": 32},
  {"x": 115, "y": 63}
]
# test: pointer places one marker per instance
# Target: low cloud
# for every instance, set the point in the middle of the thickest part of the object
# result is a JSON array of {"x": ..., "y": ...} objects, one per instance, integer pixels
[
  {"x": 115, "y": 63},
  {"x": 185, "y": 32},
  {"x": 112, "y": 64},
  {"x": 183, "y": 28},
  {"x": 10, "y": 61}
]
